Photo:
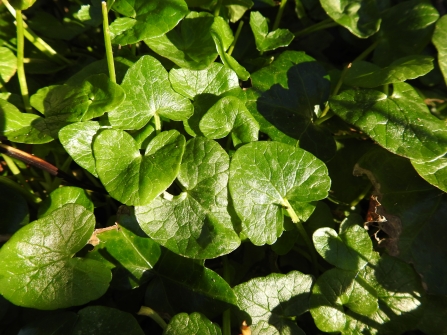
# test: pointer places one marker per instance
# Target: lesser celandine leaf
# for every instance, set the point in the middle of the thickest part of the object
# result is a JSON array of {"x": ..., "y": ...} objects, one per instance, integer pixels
[
  {"x": 38, "y": 269},
  {"x": 145, "y": 19},
  {"x": 439, "y": 39},
  {"x": 266, "y": 40},
  {"x": 22, "y": 4},
  {"x": 62, "y": 196},
  {"x": 275, "y": 298},
  {"x": 365, "y": 74},
  {"x": 8, "y": 65},
  {"x": 350, "y": 249},
  {"x": 400, "y": 122},
  {"x": 201, "y": 289},
  {"x": 264, "y": 328},
  {"x": 102, "y": 320},
  {"x": 189, "y": 45},
  {"x": 264, "y": 176},
  {"x": 148, "y": 92},
  {"x": 77, "y": 139},
  {"x": 195, "y": 223},
  {"x": 195, "y": 323},
  {"x": 130, "y": 177},
  {"x": 362, "y": 18},
  {"x": 216, "y": 79},
  {"x": 434, "y": 172}
]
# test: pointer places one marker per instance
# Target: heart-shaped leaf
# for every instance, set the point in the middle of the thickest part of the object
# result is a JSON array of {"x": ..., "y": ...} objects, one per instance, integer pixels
[
  {"x": 266, "y": 40},
  {"x": 37, "y": 267},
  {"x": 145, "y": 19},
  {"x": 131, "y": 178},
  {"x": 195, "y": 223},
  {"x": 264, "y": 176},
  {"x": 439, "y": 39},
  {"x": 62, "y": 196},
  {"x": 399, "y": 122},
  {"x": 8, "y": 65},
  {"x": 147, "y": 95},
  {"x": 195, "y": 323}
]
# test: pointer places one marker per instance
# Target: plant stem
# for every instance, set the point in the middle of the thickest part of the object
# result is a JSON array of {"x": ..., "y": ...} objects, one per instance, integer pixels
[
  {"x": 17, "y": 173},
  {"x": 217, "y": 9},
  {"x": 279, "y": 14},
  {"x": 32, "y": 199},
  {"x": 236, "y": 36},
  {"x": 367, "y": 51},
  {"x": 328, "y": 23},
  {"x": 107, "y": 42},
  {"x": 226, "y": 317},
  {"x": 20, "y": 66},
  {"x": 147, "y": 311},
  {"x": 303, "y": 234},
  {"x": 157, "y": 122}
]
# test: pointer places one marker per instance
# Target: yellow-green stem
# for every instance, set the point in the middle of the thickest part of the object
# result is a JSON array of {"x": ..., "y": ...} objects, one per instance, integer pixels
[
  {"x": 236, "y": 37},
  {"x": 107, "y": 42},
  {"x": 328, "y": 23},
  {"x": 17, "y": 173},
  {"x": 279, "y": 14},
  {"x": 31, "y": 198},
  {"x": 20, "y": 66},
  {"x": 217, "y": 9},
  {"x": 157, "y": 122},
  {"x": 147, "y": 311}
]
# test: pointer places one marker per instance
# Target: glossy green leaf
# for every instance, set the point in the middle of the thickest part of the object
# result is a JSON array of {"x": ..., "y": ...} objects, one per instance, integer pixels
[
  {"x": 283, "y": 101},
  {"x": 145, "y": 19},
  {"x": 195, "y": 323},
  {"x": 221, "y": 37},
  {"x": 38, "y": 269},
  {"x": 405, "y": 30},
  {"x": 62, "y": 196},
  {"x": 399, "y": 122},
  {"x": 77, "y": 139},
  {"x": 229, "y": 114},
  {"x": 434, "y": 172},
  {"x": 216, "y": 79},
  {"x": 275, "y": 298},
  {"x": 362, "y": 18},
  {"x": 264, "y": 176},
  {"x": 235, "y": 9},
  {"x": 189, "y": 45},
  {"x": 195, "y": 223},
  {"x": 350, "y": 249},
  {"x": 266, "y": 40},
  {"x": 365, "y": 74},
  {"x": 14, "y": 210},
  {"x": 147, "y": 95},
  {"x": 22, "y": 4},
  {"x": 201, "y": 289},
  {"x": 439, "y": 39},
  {"x": 130, "y": 177},
  {"x": 101, "y": 320},
  {"x": 8, "y": 65},
  {"x": 22, "y": 127}
]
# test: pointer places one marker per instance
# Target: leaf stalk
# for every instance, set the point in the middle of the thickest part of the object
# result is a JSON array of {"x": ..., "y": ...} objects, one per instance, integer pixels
[
  {"x": 147, "y": 311},
  {"x": 236, "y": 37},
  {"x": 20, "y": 65},
  {"x": 282, "y": 6},
  {"x": 107, "y": 42},
  {"x": 328, "y": 23}
]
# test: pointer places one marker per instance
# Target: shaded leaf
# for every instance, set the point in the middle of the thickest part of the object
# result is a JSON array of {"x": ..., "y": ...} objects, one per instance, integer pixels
[
  {"x": 57, "y": 324},
  {"x": 195, "y": 323},
  {"x": 434, "y": 172},
  {"x": 439, "y": 39},
  {"x": 8, "y": 65},
  {"x": 62, "y": 196}
]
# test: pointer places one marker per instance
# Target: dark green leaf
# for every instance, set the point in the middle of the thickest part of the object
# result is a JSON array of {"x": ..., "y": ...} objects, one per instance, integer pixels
[
  {"x": 38, "y": 269},
  {"x": 266, "y": 40},
  {"x": 195, "y": 323},
  {"x": 195, "y": 223},
  {"x": 399, "y": 122},
  {"x": 434, "y": 172},
  {"x": 58, "y": 324},
  {"x": 264, "y": 176},
  {"x": 275, "y": 298},
  {"x": 362, "y": 18},
  {"x": 439, "y": 39},
  {"x": 147, "y": 95},
  {"x": 434, "y": 321},
  {"x": 131, "y": 178},
  {"x": 365, "y": 74},
  {"x": 189, "y": 45},
  {"x": 62, "y": 196},
  {"x": 145, "y": 19},
  {"x": 8, "y": 65}
]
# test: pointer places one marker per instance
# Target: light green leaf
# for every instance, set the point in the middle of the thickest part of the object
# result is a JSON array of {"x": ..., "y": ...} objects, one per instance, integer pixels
[
  {"x": 195, "y": 223},
  {"x": 131, "y": 178},
  {"x": 189, "y": 45},
  {"x": 362, "y": 18},
  {"x": 219, "y": 32},
  {"x": 145, "y": 19},
  {"x": 439, "y": 39},
  {"x": 264, "y": 176},
  {"x": 216, "y": 79},
  {"x": 101, "y": 320},
  {"x": 434, "y": 172},
  {"x": 400, "y": 122},
  {"x": 266, "y": 40},
  {"x": 350, "y": 249},
  {"x": 275, "y": 298},
  {"x": 37, "y": 267},
  {"x": 62, "y": 196},
  {"x": 195, "y": 323},
  {"x": 8, "y": 65},
  {"x": 229, "y": 114},
  {"x": 263, "y": 328},
  {"x": 77, "y": 139},
  {"x": 148, "y": 92},
  {"x": 365, "y": 74}
]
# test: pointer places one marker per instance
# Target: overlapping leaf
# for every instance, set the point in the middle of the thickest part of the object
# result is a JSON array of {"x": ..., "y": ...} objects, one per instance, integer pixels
[
  {"x": 439, "y": 39},
  {"x": 8, "y": 65},
  {"x": 195, "y": 323},
  {"x": 195, "y": 223},
  {"x": 62, "y": 196},
  {"x": 434, "y": 172}
]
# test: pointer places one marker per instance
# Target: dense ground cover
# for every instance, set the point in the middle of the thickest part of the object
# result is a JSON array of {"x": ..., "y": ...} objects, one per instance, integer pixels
[{"x": 223, "y": 166}]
